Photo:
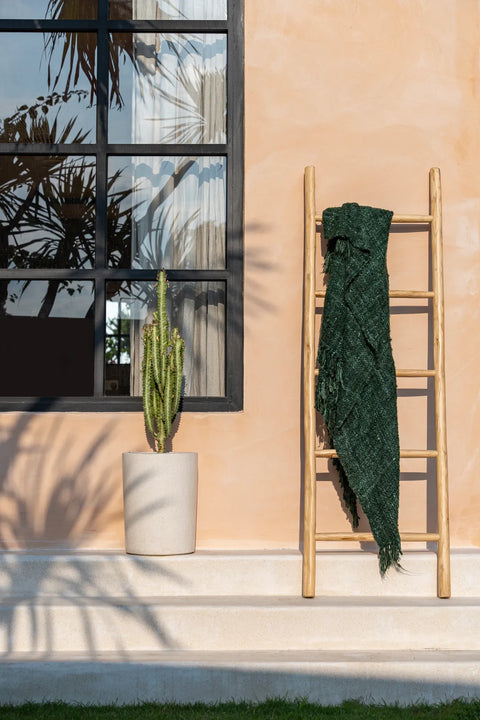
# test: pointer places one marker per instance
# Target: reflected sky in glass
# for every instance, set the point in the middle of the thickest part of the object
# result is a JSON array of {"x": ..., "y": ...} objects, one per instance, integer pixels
[
  {"x": 24, "y": 66},
  {"x": 73, "y": 298},
  {"x": 47, "y": 9}
]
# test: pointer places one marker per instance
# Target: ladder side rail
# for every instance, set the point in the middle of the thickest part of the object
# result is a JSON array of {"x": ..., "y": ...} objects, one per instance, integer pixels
[
  {"x": 309, "y": 415},
  {"x": 443, "y": 559},
  {"x": 311, "y": 452}
]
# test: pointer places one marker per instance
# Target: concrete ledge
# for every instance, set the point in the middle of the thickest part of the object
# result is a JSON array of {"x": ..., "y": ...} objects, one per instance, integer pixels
[
  {"x": 321, "y": 677},
  {"x": 339, "y": 573},
  {"x": 237, "y": 623}
]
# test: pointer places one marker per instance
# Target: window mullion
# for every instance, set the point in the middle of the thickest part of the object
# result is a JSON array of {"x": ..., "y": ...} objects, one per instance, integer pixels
[
  {"x": 101, "y": 198},
  {"x": 235, "y": 159}
]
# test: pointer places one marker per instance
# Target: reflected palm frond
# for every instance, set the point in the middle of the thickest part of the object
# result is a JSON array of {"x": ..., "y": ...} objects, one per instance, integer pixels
[
  {"x": 165, "y": 10},
  {"x": 71, "y": 9},
  {"x": 119, "y": 223},
  {"x": 26, "y": 180}
]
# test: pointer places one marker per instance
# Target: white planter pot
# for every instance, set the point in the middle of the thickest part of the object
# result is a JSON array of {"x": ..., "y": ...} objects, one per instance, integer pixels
[{"x": 160, "y": 502}]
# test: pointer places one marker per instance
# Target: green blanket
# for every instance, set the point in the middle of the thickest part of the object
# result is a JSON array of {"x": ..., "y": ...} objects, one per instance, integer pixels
[{"x": 356, "y": 388}]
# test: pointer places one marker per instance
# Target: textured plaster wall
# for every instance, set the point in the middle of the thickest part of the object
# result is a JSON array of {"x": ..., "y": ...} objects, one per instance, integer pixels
[{"x": 372, "y": 94}]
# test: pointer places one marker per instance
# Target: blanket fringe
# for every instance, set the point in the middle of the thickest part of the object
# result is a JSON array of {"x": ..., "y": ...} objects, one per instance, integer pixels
[{"x": 389, "y": 555}]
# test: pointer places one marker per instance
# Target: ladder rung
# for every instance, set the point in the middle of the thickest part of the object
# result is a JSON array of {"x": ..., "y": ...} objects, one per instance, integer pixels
[
  {"x": 407, "y": 373},
  {"x": 331, "y": 453},
  {"x": 415, "y": 373},
  {"x": 411, "y": 294},
  {"x": 395, "y": 293},
  {"x": 412, "y": 219},
  {"x": 368, "y": 537},
  {"x": 407, "y": 219}
]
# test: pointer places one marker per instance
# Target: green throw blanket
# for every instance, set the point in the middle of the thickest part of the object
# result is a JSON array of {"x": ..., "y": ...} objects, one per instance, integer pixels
[{"x": 356, "y": 388}]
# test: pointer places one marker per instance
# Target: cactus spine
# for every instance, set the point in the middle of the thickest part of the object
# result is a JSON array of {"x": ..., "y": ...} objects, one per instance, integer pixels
[{"x": 162, "y": 370}]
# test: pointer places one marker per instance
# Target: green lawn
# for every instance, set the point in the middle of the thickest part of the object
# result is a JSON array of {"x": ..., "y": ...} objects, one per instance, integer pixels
[{"x": 270, "y": 710}]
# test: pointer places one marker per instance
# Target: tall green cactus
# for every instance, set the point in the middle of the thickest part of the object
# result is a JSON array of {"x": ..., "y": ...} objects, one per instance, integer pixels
[{"x": 162, "y": 370}]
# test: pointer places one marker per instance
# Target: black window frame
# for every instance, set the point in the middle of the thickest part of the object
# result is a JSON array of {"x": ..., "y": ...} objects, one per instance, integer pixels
[{"x": 232, "y": 150}]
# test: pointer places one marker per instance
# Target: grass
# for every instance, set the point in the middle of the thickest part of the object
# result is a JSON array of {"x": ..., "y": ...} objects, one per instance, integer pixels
[{"x": 269, "y": 710}]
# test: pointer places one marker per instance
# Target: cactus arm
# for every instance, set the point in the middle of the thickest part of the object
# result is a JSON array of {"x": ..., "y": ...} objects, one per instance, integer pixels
[
  {"x": 162, "y": 369},
  {"x": 178, "y": 351},
  {"x": 168, "y": 397},
  {"x": 162, "y": 308},
  {"x": 147, "y": 382},
  {"x": 157, "y": 406},
  {"x": 162, "y": 319},
  {"x": 156, "y": 357}
]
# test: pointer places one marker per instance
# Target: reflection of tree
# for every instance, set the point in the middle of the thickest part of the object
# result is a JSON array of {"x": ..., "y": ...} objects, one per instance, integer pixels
[
  {"x": 117, "y": 338},
  {"x": 77, "y": 57},
  {"x": 26, "y": 180},
  {"x": 158, "y": 220},
  {"x": 28, "y": 125},
  {"x": 198, "y": 88},
  {"x": 78, "y": 51},
  {"x": 47, "y": 203},
  {"x": 48, "y": 208}
]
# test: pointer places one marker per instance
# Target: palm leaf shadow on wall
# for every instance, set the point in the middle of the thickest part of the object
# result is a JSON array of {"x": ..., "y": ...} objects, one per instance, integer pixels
[{"x": 79, "y": 500}]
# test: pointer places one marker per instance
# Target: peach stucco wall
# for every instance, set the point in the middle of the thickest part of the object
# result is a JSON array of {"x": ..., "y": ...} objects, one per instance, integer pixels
[{"x": 373, "y": 94}]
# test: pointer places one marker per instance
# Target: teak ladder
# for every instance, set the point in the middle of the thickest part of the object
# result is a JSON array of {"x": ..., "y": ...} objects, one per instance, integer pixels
[{"x": 310, "y": 534}]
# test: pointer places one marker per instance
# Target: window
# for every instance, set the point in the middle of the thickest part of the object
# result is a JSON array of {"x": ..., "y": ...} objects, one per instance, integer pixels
[{"x": 121, "y": 152}]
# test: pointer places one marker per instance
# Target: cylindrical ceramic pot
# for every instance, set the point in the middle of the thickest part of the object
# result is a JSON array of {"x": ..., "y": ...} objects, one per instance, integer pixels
[{"x": 160, "y": 502}]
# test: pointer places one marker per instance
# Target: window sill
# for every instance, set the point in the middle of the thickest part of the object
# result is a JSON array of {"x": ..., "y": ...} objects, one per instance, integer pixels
[{"x": 111, "y": 404}]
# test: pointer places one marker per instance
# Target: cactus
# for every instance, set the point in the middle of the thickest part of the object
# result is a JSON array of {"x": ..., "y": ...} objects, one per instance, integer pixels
[{"x": 162, "y": 370}]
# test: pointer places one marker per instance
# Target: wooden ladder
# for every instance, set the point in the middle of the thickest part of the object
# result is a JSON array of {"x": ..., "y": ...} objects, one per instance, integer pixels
[{"x": 310, "y": 535}]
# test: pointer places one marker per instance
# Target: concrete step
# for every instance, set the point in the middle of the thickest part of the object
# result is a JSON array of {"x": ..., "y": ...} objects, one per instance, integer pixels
[
  {"x": 237, "y": 623},
  {"x": 265, "y": 573},
  {"x": 327, "y": 678}
]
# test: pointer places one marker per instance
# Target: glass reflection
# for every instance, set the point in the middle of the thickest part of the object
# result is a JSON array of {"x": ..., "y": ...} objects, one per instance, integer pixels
[
  {"x": 48, "y": 9},
  {"x": 48, "y": 96},
  {"x": 47, "y": 212},
  {"x": 52, "y": 322},
  {"x": 168, "y": 9},
  {"x": 167, "y": 212},
  {"x": 196, "y": 308},
  {"x": 171, "y": 89}
]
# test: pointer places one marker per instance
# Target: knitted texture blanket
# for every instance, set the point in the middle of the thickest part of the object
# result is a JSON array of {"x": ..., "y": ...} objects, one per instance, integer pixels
[{"x": 356, "y": 387}]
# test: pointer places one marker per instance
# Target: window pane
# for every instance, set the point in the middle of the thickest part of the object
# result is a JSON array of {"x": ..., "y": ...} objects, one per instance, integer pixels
[
  {"x": 48, "y": 9},
  {"x": 170, "y": 90},
  {"x": 50, "y": 331},
  {"x": 47, "y": 96},
  {"x": 166, "y": 212},
  {"x": 196, "y": 308},
  {"x": 47, "y": 212},
  {"x": 168, "y": 9}
]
